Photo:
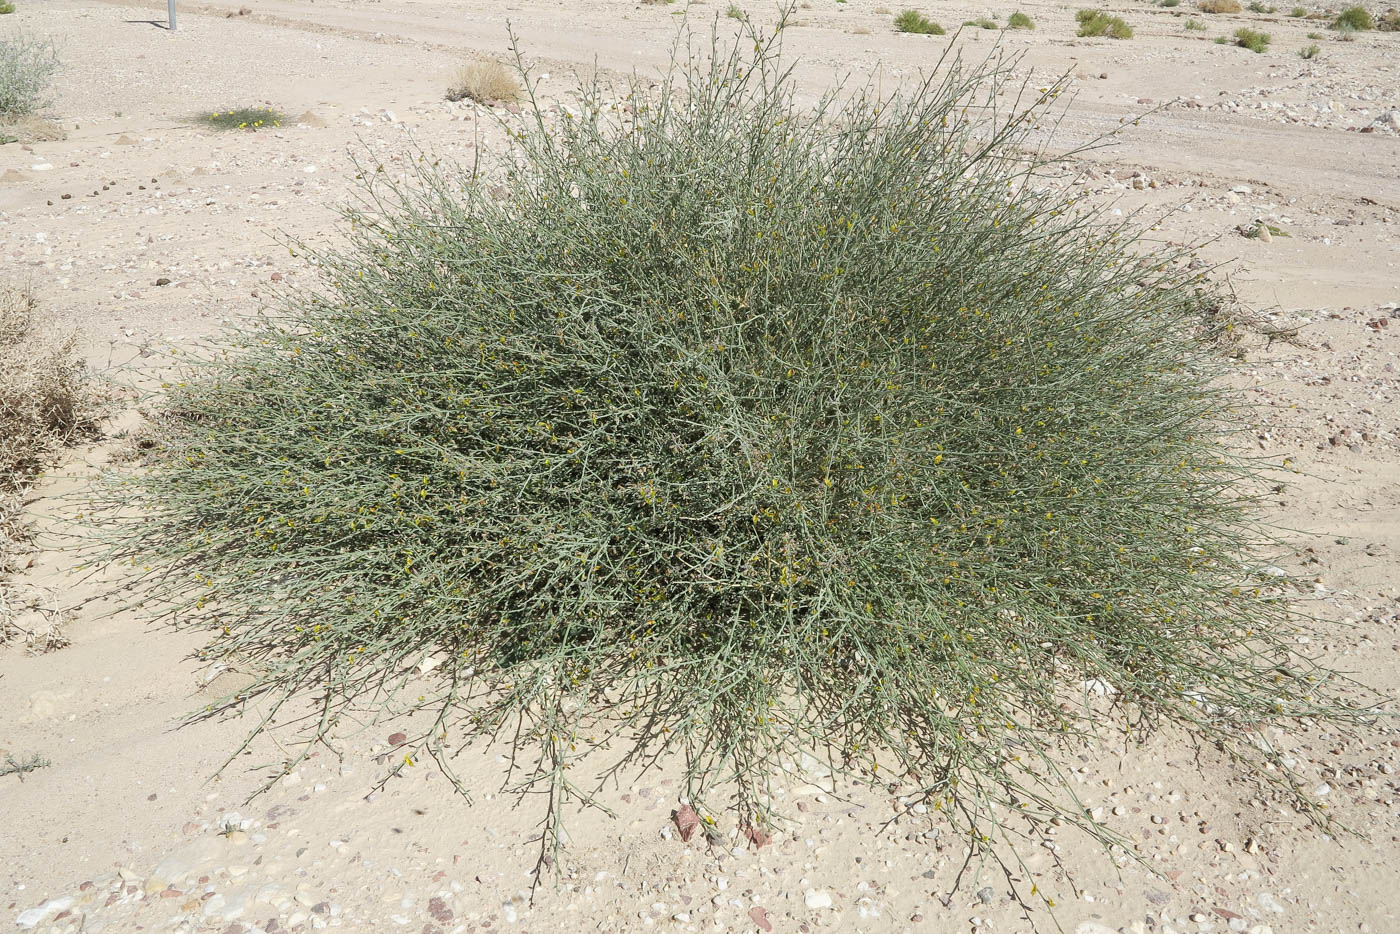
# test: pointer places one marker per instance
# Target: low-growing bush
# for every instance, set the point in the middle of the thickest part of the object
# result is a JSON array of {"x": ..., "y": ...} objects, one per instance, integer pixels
[
  {"x": 736, "y": 12},
  {"x": 1257, "y": 7},
  {"x": 1218, "y": 6},
  {"x": 6, "y": 7},
  {"x": 1099, "y": 23},
  {"x": 1389, "y": 21},
  {"x": 1356, "y": 19},
  {"x": 1195, "y": 25},
  {"x": 485, "y": 83},
  {"x": 1316, "y": 35},
  {"x": 913, "y": 21},
  {"x": 1252, "y": 39},
  {"x": 1169, "y": 3},
  {"x": 1309, "y": 52},
  {"x": 27, "y": 65},
  {"x": 1019, "y": 20},
  {"x": 1298, "y": 12},
  {"x": 737, "y": 430},
  {"x": 982, "y": 22},
  {"x": 243, "y": 118}
]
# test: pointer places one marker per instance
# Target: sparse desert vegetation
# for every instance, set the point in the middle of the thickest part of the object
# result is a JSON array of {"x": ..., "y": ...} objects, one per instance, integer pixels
[
  {"x": 1099, "y": 23},
  {"x": 1218, "y": 6},
  {"x": 1019, "y": 20},
  {"x": 1252, "y": 39},
  {"x": 242, "y": 118},
  {"x": 46, "y": 401},
  {"x": 27, "y": 65},
  {"x": 1354, "y": 19},
  {"x": 485, "y": 82},
  {"x": 912, "y": 21}
]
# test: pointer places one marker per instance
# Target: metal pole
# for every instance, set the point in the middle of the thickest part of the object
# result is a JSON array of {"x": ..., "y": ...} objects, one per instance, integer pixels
[{"x": 172, "y": 14}]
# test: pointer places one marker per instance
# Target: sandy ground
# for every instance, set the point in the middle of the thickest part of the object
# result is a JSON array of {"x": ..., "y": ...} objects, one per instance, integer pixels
[{"x": 126, "y": 831}]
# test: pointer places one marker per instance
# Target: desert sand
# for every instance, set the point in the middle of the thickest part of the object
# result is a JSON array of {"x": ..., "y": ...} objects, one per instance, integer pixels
[{"x": 144, "y": 230}]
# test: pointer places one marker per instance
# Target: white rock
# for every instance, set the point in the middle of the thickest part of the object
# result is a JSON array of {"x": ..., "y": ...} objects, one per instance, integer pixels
[
  {"x": 815, "y": 899},
  {"x": 30, "y": 918},
  {"x": 1269, "y": 903},
  {"x": 1093, "y": 927}
]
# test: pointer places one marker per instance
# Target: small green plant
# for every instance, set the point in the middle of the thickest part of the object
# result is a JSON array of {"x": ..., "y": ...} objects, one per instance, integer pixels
[
  {"x": 1252, "y": 39},
  {"x": 981, "y": 22},
  {"x": 736, "y": 12},
  {"x": 1257, "y": 231},
  {"x": 912, "y": 21},
  {"x": 26, "y": 66},
  {"x": 1169, "y": 3},
  {"x": 1298, "y": 12},
  {"x": 20, "y": 767},
  {"x": 1219, "y": 6},
  {"x": 243, "y": 118},
  {"x": 1355, "y": 19},
  {"x": 1019, "y": 20},
  {"x": 6, "y": 7},
  {"x": 1257, "y": 7},
  {"x": 1099, "y": 23},
  {"x": 1309, "y": 52},
  {"x": 1195, "y": 25}
]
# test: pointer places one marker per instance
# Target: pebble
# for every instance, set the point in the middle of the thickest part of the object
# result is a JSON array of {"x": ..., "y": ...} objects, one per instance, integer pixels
[{"x": 816, "y": 899}]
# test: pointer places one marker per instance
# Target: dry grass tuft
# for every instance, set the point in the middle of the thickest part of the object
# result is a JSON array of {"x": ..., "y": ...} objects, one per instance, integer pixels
[
  {"x": 45, "y": 402},
  {"x": 484, "y": 82},
  {"x": 1219, "y": 6}
]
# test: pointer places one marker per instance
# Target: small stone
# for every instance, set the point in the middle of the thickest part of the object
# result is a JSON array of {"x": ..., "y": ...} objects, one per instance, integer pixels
[
  {"x": 1093, "y": 927},
  {"x": 986, "y": 895},
  {"x": 162, "y": 281},
  {"x": 816, "y": 899},
  {"x": 437, "y": 907}
]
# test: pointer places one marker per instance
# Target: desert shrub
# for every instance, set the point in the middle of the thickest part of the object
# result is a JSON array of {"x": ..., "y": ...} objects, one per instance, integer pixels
[
  {"x": 6, "y": 7},
  {"x": 915, "y": 22},
  {"x": 736, "y": 12},
  {"x": 1099, "y": 23},
  {"x": 484, "y": 82},
  {"x": 1218, "y": 6},
  {"x": 27, "y": 65},
  {"x": 243, "y": 118},
  {"x": 1355, "y": 18},
  {"x": 1169, "y": 3},
  {"x": 1257, "y": 7},
  {"x": 45, "y": 402},
  {"x": 1308, "y": 52},
  {"x": 982, "y": 22},
  {"x": 1019, "y": 20},
  {"x": 1298, "y": 12},
  {"x": 1389, "y": 21},
  {"x": 1252, "y": 39},
  {"x": 722, "y": 427},
  {"x": 1195, "y": 25}
]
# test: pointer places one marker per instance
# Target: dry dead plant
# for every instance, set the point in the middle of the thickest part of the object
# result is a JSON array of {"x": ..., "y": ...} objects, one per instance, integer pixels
[
  {"x": 45, "y": 402},
  {"x": 484, "y": 82}
]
